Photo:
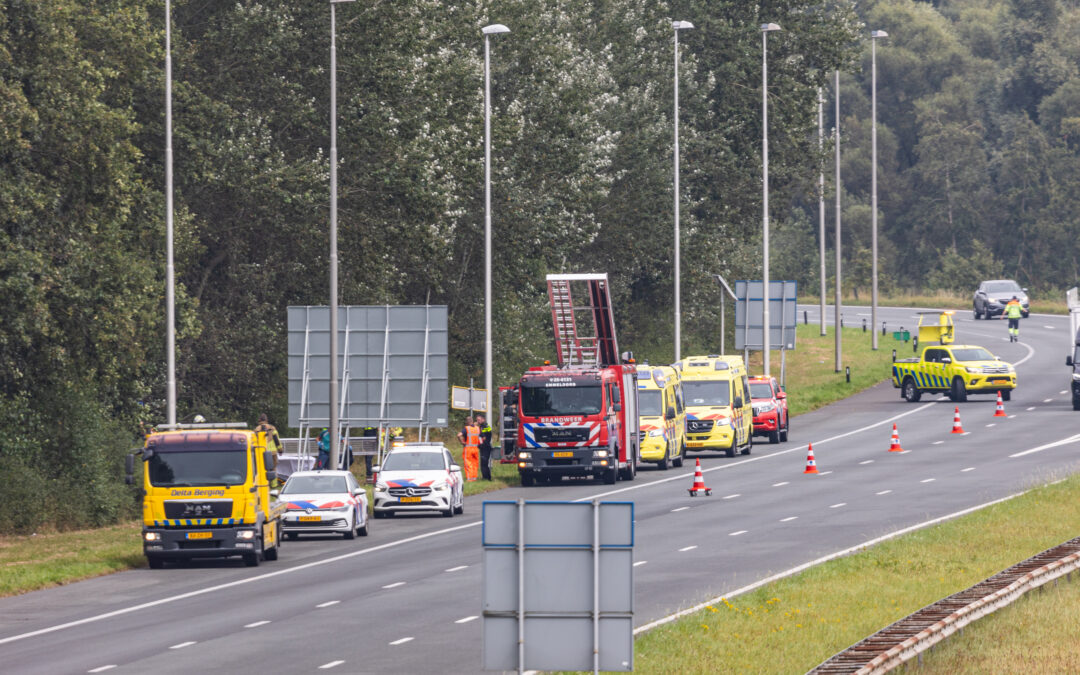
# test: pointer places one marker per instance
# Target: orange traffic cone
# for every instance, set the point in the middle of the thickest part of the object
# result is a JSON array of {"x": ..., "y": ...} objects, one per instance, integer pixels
[
  {"x": 811, "y": 465},
  {"x": 956, "y": 428},
  {"x": 1000, "y": 412},
  {"x": 699, "y": 482},
  {"x": 895, "y": 445}
]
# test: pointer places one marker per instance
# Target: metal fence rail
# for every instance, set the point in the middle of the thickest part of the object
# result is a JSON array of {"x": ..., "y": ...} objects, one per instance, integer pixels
[{"x": 909, "y": 637}]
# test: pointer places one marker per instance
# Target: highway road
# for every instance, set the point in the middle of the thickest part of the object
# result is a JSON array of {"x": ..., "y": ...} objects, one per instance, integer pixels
[{"x": 407, "y": 598}]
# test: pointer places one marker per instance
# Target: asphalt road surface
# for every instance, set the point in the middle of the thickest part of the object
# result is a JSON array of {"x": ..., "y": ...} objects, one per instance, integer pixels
[{"x": 407, "y": 598}]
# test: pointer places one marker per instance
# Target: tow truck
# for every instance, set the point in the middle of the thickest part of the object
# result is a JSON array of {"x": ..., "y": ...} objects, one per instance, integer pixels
[{"x": 944, "y": 367}]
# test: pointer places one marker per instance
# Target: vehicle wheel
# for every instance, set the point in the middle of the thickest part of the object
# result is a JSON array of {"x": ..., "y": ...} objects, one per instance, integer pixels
[
  {"x": 958, "y": 392},
  {"x": 271, "y": 554},
  {"x": 527, "y": 479},
  {"x": 663, "y": 464},
  {"x": 749, "y": 445},
  {"x": 460, "y": 508},
  {"x": 611, "y": 475},
  {"x": 774, "y": 436},
  {"x": 730, "y": 452},
  {"x": 1007, "y": 395},
  {"x": 677, "y": 462},
  {"x": 1076, "y": 401},
  {"x": 976, "y": 312},
  {"x": 911, "y": 392},
  {"x": 363, "y": 531},
  {"x": 784, "y": 433},
  {"x": 351, "y": 532},
  {"x": 156, "y": 563},
  {"x": 251, "y": 559},
  {"x": 292, "y": 535},
  {"x": 449, "y": 512}
]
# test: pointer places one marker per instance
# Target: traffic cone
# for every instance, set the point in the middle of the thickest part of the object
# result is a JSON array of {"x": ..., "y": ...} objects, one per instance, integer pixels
[
  {"x": 956, "y": 428},
  {"x": 1000, "y": 412},
  {"x": 699, "y": 482},
  {"x": 895, "y": 445},
  {"x": 811, "y": 465}
]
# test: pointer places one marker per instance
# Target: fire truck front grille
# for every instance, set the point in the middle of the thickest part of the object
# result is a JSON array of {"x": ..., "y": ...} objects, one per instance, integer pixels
[
  {"x": 561, "y": 434},
  {"x": 198, "y": 509}
]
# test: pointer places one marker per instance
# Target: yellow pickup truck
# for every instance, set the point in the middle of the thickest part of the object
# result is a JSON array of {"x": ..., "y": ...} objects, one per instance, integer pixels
[{"x": 946, "y": 368}]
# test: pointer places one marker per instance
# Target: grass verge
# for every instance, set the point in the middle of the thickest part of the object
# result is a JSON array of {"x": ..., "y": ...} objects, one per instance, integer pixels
[{"x": 793, "y": 624}]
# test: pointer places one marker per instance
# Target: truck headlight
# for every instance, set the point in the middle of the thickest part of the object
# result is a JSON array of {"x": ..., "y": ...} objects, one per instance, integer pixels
[
  {"x": 156, "y": 536},
  {"x": 1076, "y": 376},
  {"x": 656, "y": 432},
  {"x": 525, "y": 455},
  {"x": 601, "y": 453},
  {"x": 245, "y": 534},
  {"x": 972, "y": 370}
]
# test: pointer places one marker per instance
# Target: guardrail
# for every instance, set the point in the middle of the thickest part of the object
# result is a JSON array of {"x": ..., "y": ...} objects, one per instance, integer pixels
[{"x": 908, "y": 638}]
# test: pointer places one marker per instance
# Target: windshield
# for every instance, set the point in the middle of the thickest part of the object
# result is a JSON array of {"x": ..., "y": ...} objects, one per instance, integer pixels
[
  {"x": 649, "y": 404},
  {"x": 1003, "y": 287},
  {"x": 544, "y": 401},
  {"x": 706, "y": 393},
  {"x": 197, "y": 467},
  {"x": 760, "y": 390},
  {"x": 972, "y": 354},
  {"x": 315, "y": 485},
  {"x": 413, "y": 461}
]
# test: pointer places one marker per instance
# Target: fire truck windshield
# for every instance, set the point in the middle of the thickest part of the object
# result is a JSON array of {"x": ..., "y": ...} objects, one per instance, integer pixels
[
  {"x": 544, "y": 401},
  {"x": 649, "y": 404},
  {"x": 703, "y": 392}
]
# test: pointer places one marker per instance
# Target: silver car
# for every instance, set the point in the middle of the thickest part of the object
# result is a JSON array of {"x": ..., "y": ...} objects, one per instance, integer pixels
[
  {"x": 324, "y": 502},
  {"x": 992, "y": 296}
]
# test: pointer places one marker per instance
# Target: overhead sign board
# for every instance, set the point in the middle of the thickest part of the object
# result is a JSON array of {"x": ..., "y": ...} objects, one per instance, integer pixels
[
  {"x": 750, "y": 319},
  {"x": 464, "y": 398}
]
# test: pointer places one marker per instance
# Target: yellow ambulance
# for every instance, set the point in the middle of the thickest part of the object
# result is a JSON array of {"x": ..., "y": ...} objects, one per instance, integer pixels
[
  {"x": 661, "y": 415},
  {"x": 719, "y": 412}
]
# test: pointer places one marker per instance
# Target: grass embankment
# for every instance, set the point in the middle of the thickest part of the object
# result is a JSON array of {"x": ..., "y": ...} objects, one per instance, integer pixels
[
  {"x": 940, "y": 299},
  {"x": 793, "y": 624}
]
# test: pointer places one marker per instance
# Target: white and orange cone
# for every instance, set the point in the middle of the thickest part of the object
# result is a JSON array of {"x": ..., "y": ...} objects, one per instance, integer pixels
[
  {"x": 699, "y": 482},
  {"x": 811, "y": 465},
  {"x": 1000, "y": 412},
  {"x": 894, "y": 446},
  {"x": 956, "y": 428}
]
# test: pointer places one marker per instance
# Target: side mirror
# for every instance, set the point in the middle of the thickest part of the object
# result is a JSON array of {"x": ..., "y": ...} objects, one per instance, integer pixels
[
  {"x": 781, "y": 395},
  {"x": 359, "y": 491},
  {"x": 375, "y": 469},
  {"x": 453, "y": 467},
  {"x": 617, "y": 407},
  {"x": 738, "y": 402},
  {"x": 268, "y": 460},
  {"x": 275, "y": 493},
  {"x": 129, "y": 465},
  {"x": 946, "y": 359},
  {"x": 271, "y": 476},
  {"x": 1068, "y": 362},
  {"x": 1024, "y": 290},
  {"x": 670, "y": 414}
]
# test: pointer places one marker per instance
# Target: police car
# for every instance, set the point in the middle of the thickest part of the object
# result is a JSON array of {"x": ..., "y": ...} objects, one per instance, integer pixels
[
  {"x": 324, "y": 502},
  {"x": 418, "y": 477}
]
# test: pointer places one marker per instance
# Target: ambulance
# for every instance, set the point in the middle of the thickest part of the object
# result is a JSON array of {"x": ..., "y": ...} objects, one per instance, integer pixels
[
  {"x": 662, "y": 416},
  {"x": 719, "y": 410}
]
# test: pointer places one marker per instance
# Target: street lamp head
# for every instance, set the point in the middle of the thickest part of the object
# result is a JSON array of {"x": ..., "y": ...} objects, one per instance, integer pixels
[
  {"x": 681, "y": 25},
  {"x": 767, "y": 27},
  {"x": 495, "y": 29},
  {"x": 878, "y": 34}
]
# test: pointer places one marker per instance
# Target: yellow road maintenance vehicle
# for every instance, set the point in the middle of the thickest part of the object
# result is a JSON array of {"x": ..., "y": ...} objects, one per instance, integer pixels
[
  {"x": 947, "y": 368},
  {"x": 661, "y": 415},
  {"x": 207, "y": 494},
  {"x": 719, "y": 412}
]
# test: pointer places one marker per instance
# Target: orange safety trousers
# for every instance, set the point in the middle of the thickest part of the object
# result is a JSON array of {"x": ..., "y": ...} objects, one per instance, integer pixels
[{"x": 472, "y": 462}]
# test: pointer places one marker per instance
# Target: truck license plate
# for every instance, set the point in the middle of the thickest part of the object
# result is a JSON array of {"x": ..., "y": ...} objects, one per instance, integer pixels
[
  {"x": 200, "y": 535},
  {"x": 695, "y": 444},
  {"x": 309, "y": 519},
  {"x": 408, "y": 500},
  {"x": 562, "y": 454}
]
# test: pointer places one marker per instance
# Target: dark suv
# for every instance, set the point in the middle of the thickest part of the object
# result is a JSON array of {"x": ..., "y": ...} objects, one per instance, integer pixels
[{"x": 992, "y": 296}]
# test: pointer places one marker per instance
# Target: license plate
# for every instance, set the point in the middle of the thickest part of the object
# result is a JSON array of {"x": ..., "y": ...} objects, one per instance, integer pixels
[
  {"x": 309, "y": 519},
  {"x": 200, "y": 535},
  {"x": 408, "y": 500},
  {"x": 998, "y": 380},
  {"x": 695, "y": 444},
  {"x": 562, "y": 454}
]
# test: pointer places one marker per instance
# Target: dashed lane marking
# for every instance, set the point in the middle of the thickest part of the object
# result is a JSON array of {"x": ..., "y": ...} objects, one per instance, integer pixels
[
  {"x": 937, "y": 442},
  {"x": 1064, "y": 391},
  {"x": 869, "y": 461},
  {"x": 402, "y": 641},
  {"x": 825, "y": 473},
  {"x": 102, "y": 669},
  {"x": 788, "y": 519},
  {"x": 256, "y": 624},
  {"x": 970, "y": 468},
  {"x": 1030, "y": 409},
  {"x": 182, "y": 645},
  {"x": 681, "y": 508},
  {"x": 332, "y": 664},
  {"x": 735, "y": 534},
  {"x": 455, "y": 569},
  {"x": 1064, "y": 441},
  {"x": 1012, "y": 415},
  {"x": 640, "y": 563},
  {"x": 836, "y": 506},
  {"x": 928, "y": 480},
  {"x": 883, "y": 492},
  {"x": 467, "y": 619},
  {"x": 328, "y": 604},
  {"x": 965, "y": 433},
  {"x": 733, "y": 496},
  {"x": 903, "y": 452},
  {"x": 781, "y": 483},
  {"x": 395, "y": 584},
  {"x": 1048, "y": 400},
  {"x": 687, "y": 548},
  {"x": 991, "y": 424}
]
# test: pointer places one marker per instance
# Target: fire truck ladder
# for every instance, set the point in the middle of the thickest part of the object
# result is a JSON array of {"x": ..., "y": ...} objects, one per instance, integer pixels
[{"x": 583, "y": 340}]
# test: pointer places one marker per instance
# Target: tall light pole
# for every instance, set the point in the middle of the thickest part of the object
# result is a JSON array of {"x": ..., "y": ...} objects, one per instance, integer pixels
[
  {"x": 821, "y": 200},
  {"x": 874, "y": 36},
  {"x": 677, "y": 26},
  {"x": 170, "y": 275},
  {"x": 766, "y": 28},
  {"x": 493, "y": 29},
  {"x": 836, "y": 308},
  {"x": 334, "y": 422}
]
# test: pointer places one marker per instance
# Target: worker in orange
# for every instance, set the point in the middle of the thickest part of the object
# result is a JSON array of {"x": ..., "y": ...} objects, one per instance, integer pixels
[{"x": 470, "y": 436}]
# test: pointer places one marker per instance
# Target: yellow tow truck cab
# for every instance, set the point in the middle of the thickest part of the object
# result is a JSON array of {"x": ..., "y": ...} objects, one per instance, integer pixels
[
  {"x": 207, "y": 494},
  {"x": 944, "y": 367},
  {"x": 719, "y": 412},
  {"x": 662, "y": 416}
]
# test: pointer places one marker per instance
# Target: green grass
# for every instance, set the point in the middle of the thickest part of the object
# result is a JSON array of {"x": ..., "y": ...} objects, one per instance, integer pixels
[
  {"x": 942, "y": 300},
  {"x": 793, "y": 624}
]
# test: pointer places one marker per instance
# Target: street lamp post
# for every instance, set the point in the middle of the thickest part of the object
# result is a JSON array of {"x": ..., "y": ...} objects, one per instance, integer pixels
[
  {"x": 677, "y": 26},
  {"x": 766, "y": 28},
  {"x": 821, "y": 200},
  {"x": 836, "y": 308},
  {"x": 874, "y": 36},
  {"x": 170, "y": 278},
  {"x": 334, "y": 422},
  {"x": 488, "y": 31}
]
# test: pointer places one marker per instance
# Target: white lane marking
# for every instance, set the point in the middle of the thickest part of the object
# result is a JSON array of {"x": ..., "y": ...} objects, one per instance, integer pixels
[
  {"x": 182, "y": 645},
  {"x": 883, "y": 492},
  {"x": 965, "y": 433},
  {"x": 735, "y": 534},
  {"x": 928, "y": 480},
  {"x": 805, "y": 566},
  {"x": 781, "y": 483},
  {"x": 1064, "y": 441},
  {"x": 988, "y": 425},
  {"x": 681, "y": 508},
  {"x": 1012, "y": 416},
  {"x": 903, "y": 452},
  {"x": 733, "y": 496},
  {"x": 970, "y": 468},
  {"x": 788, "y": 519},
  {"x": 328, "y": 604},
  {"x": 467, "y": 619},
  {"x": 869, "y": 461},
  {"x": 328, "y": 666},
  {"x": 402, "y": 641},
  {"x": 455, "y": 569},
  {"x": 1031, "y": 408},
  {"x": 640, "y": 563},
  {"x": 687, "y": 548},
  {"x": 1066, "y": 391},
  {"x": 1048, "y": 400},
  {"x": 395, "y": 584},
  {"x": 1046, "y": 327},
  {"x": 937, "y": 442},
  {"x": 825, "y": 473},
  {"x": 836, "y": 506},
  {"x": 102, "y": 669},
  {"x": 256, "y": 624}
]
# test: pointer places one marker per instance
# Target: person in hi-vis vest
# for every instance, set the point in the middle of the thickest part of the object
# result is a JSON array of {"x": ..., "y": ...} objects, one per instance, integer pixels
[{"x": 471, "y": 454}]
